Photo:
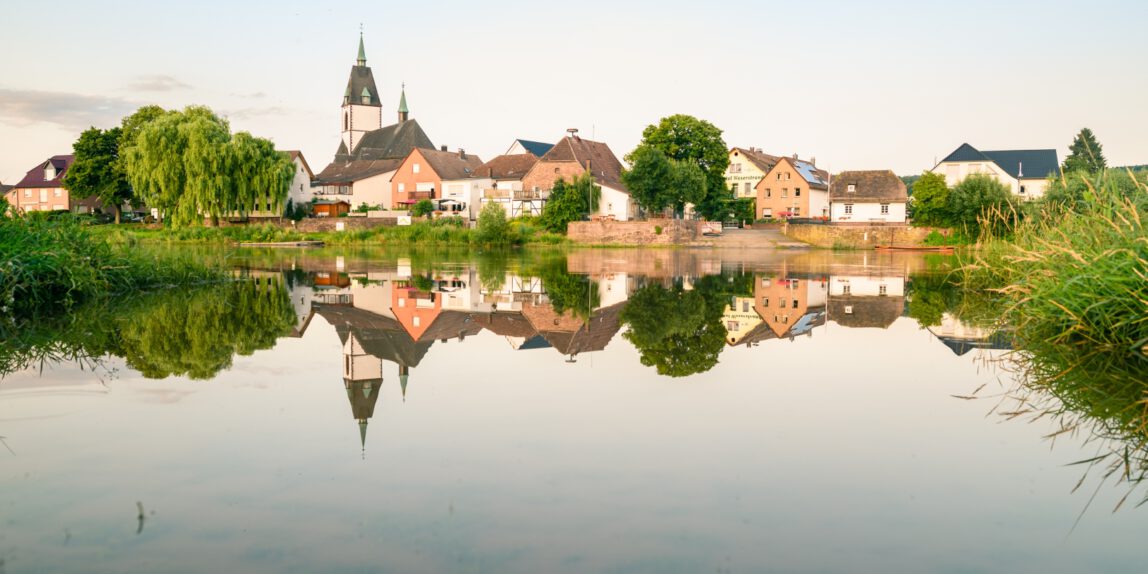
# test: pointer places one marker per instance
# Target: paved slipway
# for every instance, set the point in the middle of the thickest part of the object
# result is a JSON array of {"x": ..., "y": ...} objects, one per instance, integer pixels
[{"x": 753, "y": 238}]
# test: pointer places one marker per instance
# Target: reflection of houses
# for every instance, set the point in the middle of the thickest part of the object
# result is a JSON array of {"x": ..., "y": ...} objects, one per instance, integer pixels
[
  {"x": 866, "y": 301},
  {"x": 961, "y": 337},
  {"x": 570, "y": 334},
  {"x": 515, "y": 327},
  {"x": 792, "y": 304},
  {"x": 740, "y": 319}
]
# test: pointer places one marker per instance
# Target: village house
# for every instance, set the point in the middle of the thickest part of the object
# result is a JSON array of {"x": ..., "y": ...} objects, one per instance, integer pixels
[
  {"x": 1024, "y": 172},
  {"x": 573, "y": 156},
  {"x": 872, "y": 301},
  {"x": 298, "y": 194},
  {"x": 500, "y": 180},
  {"x": 747, "y": 167},
  {"x": 793, "y": 188},
  {"x": 368, "y": 153},
  {"x": 421, "y": 174},
  {"x": 42, "y": 189},
  {"x": 868, "y": 197}
]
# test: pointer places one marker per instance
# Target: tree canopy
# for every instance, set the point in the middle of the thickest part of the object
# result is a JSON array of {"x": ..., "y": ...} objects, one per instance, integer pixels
[
  {"x": 97, "y": 170},
  {"x": 188, "y": 165},
  {"x": 657, "y": 182},
  {"x": 981, "y": 203},
  {"x": 930, "y": 200},
  {"x": 688, "y": 139},
  {"x": 1085, "y": 154},
  {"x": 570, "y": 202}
]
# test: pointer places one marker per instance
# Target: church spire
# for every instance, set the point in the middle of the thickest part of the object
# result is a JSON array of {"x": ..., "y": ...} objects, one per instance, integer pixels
[
  {"x": 362, "y": 61},
  {"x": 404, "y": 113}
]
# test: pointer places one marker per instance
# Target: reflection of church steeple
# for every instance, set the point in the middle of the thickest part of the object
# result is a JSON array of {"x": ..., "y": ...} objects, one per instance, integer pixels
[
  {"x": 362, "y": 376},
  {"x": 404, "y": 374}
]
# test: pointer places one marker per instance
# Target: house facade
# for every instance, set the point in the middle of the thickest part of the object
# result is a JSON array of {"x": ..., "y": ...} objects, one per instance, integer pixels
[
  {"x": 502, "y": 183},
  {"x": 574, "y": 156},
  {"x": 794, "y": 188},
  {"x": 868, "y": 197},
  {"x": 1025, "y": 172},
  {"x": 747, "y": 167},
  {"x": 42, "y": 189},
  {"x": 421, "y": 174},
  {"x": 299, "y": 192}
]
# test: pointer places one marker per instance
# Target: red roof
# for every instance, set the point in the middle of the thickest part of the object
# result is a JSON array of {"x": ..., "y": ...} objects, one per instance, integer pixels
[{"x": 35, "y": 176}]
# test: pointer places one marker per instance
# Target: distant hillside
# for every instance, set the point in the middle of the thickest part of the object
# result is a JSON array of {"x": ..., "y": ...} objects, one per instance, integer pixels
[{"x": 1141, "y": 167}]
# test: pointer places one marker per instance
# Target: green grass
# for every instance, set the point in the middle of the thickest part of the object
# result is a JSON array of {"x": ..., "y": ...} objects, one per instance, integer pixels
[{"x": 51, "y": 266}]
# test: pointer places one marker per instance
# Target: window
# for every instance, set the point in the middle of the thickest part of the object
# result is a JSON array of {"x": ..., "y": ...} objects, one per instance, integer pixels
[
  {"x": 748, "y": 188},
  {"x": 735, "y": 168},
  {"x": 1022, "y": 189},
  {"x": 848, "y": 309},
  {"x": 556, "y": 170},
  {"x": 852, "y": 188},
  {"x": 415, "y": 168},
  {"x": 884, "y": 209},
  {"x": 846, "y": 289},
  {"x": 781, "y": 302},
  {"x": 58, "y": 192},
  {"x": 27, "y": 194},
  {"x": 765, "y": 301},
  {"x": 797, "y": 192},
  {"x": 848, "y": 209},
  {"x": 787, "y": 174},
  {"x": 768, "y": 192},
  {"x": 745, "y": 306},
  {"x": 883, "y": 290},
  {"x": 766, "y": 212},
  {"x": 785, "y": 192},
  {"x": 346, "y": 122},
  {"x": 765, "y": 282},
  {"x": 795, "y": 303},
  {"x": 797, "y": 212},
  {"x": 402, "y": 188},
  {"x": 417, "y": 321}
]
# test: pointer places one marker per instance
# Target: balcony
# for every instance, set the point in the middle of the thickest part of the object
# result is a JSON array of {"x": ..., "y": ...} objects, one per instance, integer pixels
[
  {"x": 414, "y": 196},
  {"x": 496, "y": 194}
]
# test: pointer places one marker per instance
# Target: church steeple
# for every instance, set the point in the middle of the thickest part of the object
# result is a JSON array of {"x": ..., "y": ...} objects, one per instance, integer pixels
[
  {"x": 404, "y": 113},
  {"x": 362, "y": 61}
]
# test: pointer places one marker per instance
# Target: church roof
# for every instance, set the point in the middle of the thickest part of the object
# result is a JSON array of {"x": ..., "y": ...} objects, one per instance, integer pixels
[
  {"x": 379, "y": 336},
  {"x": 389, "y": 142},
  {"x": 361, "y": 82}
]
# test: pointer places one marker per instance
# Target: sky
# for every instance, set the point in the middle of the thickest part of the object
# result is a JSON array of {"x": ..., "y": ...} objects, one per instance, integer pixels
[{"x": 857, "y": 85}]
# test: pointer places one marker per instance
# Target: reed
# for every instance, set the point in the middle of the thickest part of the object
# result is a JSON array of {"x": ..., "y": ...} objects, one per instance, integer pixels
[{"x": 52, "y": 266}]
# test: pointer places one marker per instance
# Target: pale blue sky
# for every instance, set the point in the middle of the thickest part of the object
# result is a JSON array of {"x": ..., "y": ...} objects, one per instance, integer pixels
[{"x": 858, "y": 85}]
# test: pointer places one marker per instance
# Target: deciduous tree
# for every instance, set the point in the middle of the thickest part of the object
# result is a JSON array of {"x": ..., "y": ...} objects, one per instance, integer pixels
[
  {"x": 686, "y": 138},
  {"x": 97, "y": 170},
  {"x": 570, "y": 202},
  {"x": 930, "y": 202}
]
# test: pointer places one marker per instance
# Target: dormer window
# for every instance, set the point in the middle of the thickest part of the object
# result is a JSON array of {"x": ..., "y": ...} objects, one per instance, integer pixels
[
  {"x": 852, "y": 188},
  {"x": 49, "y": 172},
  {"x": 366, "y": 96}
]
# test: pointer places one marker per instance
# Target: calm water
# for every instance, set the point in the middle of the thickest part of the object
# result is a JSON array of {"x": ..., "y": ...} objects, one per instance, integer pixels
[{"x": 632, "y": 411}]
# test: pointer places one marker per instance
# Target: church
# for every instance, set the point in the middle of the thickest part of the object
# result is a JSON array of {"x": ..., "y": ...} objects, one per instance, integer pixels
[{"x": 369, "y": 153}]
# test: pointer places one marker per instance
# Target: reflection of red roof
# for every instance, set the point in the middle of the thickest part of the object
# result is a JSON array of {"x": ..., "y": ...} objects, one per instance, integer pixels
[{"x": 35, "y": 176}]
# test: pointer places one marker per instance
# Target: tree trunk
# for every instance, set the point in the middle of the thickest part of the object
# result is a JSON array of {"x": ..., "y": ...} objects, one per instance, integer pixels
[{"x": 118, "y": 210}]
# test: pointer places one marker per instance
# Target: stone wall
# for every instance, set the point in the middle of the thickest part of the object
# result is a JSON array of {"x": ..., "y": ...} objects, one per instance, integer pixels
[
  {"x": 858, "y": 236},
  {"x": 649, "y": 232},
  {"x": 319, "y": 224}
]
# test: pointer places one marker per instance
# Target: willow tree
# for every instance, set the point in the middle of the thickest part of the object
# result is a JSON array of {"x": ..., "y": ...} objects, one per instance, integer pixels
[{"x": 188, "y": 165}]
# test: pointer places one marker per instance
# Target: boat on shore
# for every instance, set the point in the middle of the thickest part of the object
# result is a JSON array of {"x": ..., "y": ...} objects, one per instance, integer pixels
[{"x": 924, "y": 248}]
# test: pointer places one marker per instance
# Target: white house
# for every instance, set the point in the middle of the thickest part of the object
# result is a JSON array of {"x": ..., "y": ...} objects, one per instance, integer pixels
[
  {"x": 1024, "y": 172},
  {"x": 867, "y": 197}
]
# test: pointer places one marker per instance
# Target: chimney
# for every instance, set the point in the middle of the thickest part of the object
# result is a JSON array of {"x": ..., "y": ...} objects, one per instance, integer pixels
[
  {"x": 490, "y": 172},
  {"x": 443, "y": 148},
  {"x": 461, "y": 153},
  {"x": 813, "y": 161},
  {"x": 1020, "y": 169},
  {"x": 573, "y": 132},
  {"x": 794, "y": 156},
  {"x": 588, "y": 168}
]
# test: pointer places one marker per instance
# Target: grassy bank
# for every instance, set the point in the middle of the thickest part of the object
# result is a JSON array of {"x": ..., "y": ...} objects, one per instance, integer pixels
[
  {"x": 442, "y": 232},
  {"x": 52, "y": 266}
]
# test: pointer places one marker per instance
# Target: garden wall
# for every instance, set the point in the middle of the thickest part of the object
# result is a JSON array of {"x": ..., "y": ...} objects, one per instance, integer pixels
[
  {"x": 858, "y": 236},
  {"x": 649, "y": 232}
]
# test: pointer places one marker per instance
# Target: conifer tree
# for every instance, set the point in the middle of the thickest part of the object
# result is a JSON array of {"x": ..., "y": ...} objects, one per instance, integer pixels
[{"x": 1086, "y": 154}]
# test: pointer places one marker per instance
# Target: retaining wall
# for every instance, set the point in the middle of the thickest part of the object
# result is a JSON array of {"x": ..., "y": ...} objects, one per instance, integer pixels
[
  {"x": 648, "y": 232},
  {"x": 858, "y": 236}
]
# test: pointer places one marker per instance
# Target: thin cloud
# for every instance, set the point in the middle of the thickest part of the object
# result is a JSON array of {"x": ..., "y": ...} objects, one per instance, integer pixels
[
  {"x": 249, "y": 113},
  {"x": 156, "y": 83},
  {"x": 77, "y": 112},
  {"x": 252, "y": 96}
]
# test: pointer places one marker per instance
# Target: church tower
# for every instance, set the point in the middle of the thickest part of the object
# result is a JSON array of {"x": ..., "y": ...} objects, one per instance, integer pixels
[
  {"x": 362, "y": 108},
  {"x": 362, "y": 377}
]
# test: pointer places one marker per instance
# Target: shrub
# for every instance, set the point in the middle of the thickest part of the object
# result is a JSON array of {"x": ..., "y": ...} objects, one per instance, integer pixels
[
  {"x": 492, "y": 226},
  {"x": 422, "y": 208}
]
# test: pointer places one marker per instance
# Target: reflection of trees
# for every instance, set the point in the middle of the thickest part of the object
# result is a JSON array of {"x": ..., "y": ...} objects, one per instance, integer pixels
[
  {"x": 680, "y": 332},
  {"x": 192, "y": 332},
  {"x": 933, "y": 294}
]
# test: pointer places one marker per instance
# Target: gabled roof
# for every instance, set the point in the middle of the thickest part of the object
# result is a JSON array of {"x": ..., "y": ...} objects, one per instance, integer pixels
[
  {"x": 506, "y": 324},
  {"x": 815, "y": 178},
  {"x": 571, "y": 335},
  {"x": 451, "y": 165},
  {"x": 1020, "y": 164},
  {"x": 294, "y": 154},
  {"x": 762, "y": 161},
  {"x": 450, "y": 325},
  {"x": 877, "y": 186},
  {"x": 604, "y": 165},
  {"x": 865, "y": 312},
  {"x": 539, "y": 149},
  {"x": 507, "y": 167},
  {"x": 353, "y": 171},
  {"x": 389, "y": 142},
  {"x": 379, "y": 336},
  {"x": 35, "y": 176}
]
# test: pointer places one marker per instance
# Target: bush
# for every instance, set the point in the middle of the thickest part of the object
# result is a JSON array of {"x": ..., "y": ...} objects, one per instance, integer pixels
[
  {"x": 492, "y": 226},
  {"x": 423, "y": 208}
]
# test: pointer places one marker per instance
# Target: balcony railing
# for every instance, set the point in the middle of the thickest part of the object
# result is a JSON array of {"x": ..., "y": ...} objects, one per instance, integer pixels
[
  {"x": 516, "y": 195},
  {"x": 420, "y": 195},
  {"x": 496, "y": 193}
]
